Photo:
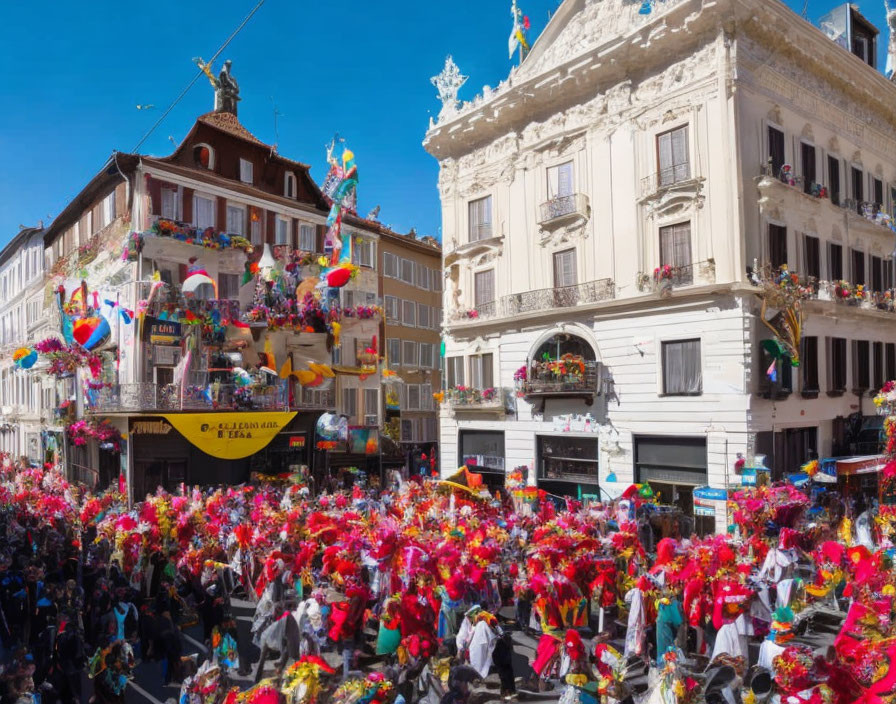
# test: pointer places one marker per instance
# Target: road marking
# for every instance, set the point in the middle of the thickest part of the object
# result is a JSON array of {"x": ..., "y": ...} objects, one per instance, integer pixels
[
  {"x": 143, "y": 692},
  {"x": 196, "y": 643}
]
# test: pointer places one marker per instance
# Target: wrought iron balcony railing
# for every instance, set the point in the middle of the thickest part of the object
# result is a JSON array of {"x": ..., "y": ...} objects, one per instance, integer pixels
[
  {"x": 561, "y": 297},
  {"x": 151, "y": 397},
  {"x": 559, "y": 208},
  {"x": 553, "y": 379},
  {"x": 665, "y": 277},
  {"x": 665, "y": 178}
]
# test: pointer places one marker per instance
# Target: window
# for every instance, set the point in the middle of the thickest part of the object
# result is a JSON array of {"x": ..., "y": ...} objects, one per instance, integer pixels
[
  {"x": 482, "y": 450},
  {"x": 567, "y": 460},
  {"x": 675, "y": 245},
  {"x": 890, "y": 361},
  {"x": 682, "y": 371},
  {"x": 413, "y": 403},
  {"x": 858, "y": 188},
  {"x": 861, "y": 370},
  {"x": 409, "y": 313},
  {"x": 245, "y": 171},
  {"x": 435, "y": 278},
  {"x": 834, "y": 179},
  {"x": 289, "y": 184},
  {"x": 857, "y": 259},
  {"x": 390, "y": 265},
  {"x": 407, "y": 271},
  {"x": 835, "y": 261},
  {"x": 775, "y": 149},
  {"x": 455, "y": 370},
  {"x": 560, "y": 182},
  {"x": 484, "y": 287},
  {"x": 807, "y": 155},
  {"x": 877, "y": 365},
  {"x": 480, "y": 213},
  {"x": 672, "y": 156},
  {"x": 422, "y": 316},
  {"x": 363, "y": 252},
  {"x": 878, "y": 194},
  {"x": 426, "y": 355},
  {"x": 408, "y": 353},
  {"x": 407, "y": 430},
  {"x": 371, "y": 402},
  {"x": 877, "y": 274},
  {"x": 836, "y": 365},
  {"x": 350, "y": 403},
  {"x": 204, "y": 156},
  {"x": 812, "y": 264},
  {"x": 393, "y": 351},
  {"x": 421, "y": 277},
  {"x": 565, "y": 273},
  {"x": 255, "y": 227},
  {"x": 282, "y": 231},
  {"x": 169, "y": 203},
  {"x": 481, "y": 371},
  {"x": 229, "y": 286},
  {"x": 809, "y": 365},
  {"x": 777, "y": 245},
  {"x": 348, "y": 298},
  {"x": 393, "y": 309},
  {"x": 204, "y": 212},
  {"x": 306, "y": 237},
  {"x": 236, "y": 220}
]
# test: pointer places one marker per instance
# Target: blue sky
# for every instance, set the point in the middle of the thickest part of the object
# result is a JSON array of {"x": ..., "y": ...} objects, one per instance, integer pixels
[{"x": 74, "y": 72}]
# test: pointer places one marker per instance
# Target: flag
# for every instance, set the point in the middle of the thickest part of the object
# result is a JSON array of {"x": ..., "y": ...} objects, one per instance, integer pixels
[{"x": 518, "y": 32}]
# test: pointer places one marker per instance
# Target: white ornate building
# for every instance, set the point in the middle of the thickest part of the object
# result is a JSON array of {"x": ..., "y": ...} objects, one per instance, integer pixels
[
  {"x": 27, "y": 424},
  {"x": 625, "y": 143}
]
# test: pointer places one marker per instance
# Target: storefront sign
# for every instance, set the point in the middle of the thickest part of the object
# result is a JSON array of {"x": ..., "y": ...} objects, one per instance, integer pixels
[
  {"x": 296, "y": 442},
  {"x": 709, "y": 493},
  {"x": 150, "y": 427},
  {"x": 161, "y": 332},
  {"x": 230, "y": 436},
  {"x": 703, "y": 507}
]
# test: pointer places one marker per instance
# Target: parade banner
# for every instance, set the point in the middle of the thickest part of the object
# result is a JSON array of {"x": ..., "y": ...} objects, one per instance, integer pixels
[{"x": 230, "y": 436}]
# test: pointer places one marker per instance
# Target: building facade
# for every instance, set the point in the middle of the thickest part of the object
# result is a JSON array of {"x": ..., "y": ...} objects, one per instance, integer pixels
[
  {"x": 207, "y": 344},
  {"x": 410, "y": 287},
  {"x": 607, "y": 214},
  {"x": 25, "y": 429}
]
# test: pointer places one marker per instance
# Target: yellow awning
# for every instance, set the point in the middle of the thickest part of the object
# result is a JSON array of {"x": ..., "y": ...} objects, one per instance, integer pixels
[{"x": 230, "y": 436}]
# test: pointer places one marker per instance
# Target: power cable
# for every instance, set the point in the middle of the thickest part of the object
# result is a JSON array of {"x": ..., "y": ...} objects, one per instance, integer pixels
[{"x": 199, "y": 73}]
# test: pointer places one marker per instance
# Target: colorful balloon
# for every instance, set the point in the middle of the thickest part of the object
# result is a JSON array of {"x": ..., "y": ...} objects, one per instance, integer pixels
[
  {"x": 91, "y": 332},
  {"x": 24, "y": 357}
]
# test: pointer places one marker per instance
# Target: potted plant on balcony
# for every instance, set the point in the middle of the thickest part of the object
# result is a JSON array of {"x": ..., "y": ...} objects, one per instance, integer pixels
[{"x": 662, "y": 279}]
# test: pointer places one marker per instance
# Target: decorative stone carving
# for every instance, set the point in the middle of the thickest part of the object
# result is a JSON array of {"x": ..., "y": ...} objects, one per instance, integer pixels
[
  {"x": 448, "y": 83},
  {"x": 565, "y": 234},
  {"x": 674, "y": 200},
  {"x": 774, "y": 115}
]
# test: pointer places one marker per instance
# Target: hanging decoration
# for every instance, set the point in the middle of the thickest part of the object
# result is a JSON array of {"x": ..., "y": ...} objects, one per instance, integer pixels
[
  {"x": 781, "y": 291},
  {"x": 24, "y": 357}
]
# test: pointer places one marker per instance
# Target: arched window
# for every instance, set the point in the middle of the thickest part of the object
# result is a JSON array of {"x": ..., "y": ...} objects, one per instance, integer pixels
[
  {"x": 562, "y": 344},
  {"x": 289, "y": 184},
  {"x": 204, "y": 156}
]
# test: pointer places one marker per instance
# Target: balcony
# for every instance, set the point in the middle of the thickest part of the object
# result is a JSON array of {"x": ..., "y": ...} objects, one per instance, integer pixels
[
  {"x": 666, "y": 178},
  {"x": 465, "y": 398},
  {"x": 666, "y": 278},
  {"x": 564, "y": 378},
  {"x": 564, "y": 209},
  {"x": 149, "y": 397},
  {"x": 561, "y": 297}
]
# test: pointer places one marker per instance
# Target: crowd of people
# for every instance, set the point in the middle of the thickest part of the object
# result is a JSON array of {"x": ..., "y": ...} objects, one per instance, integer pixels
[{"x": 416, "y": 591}]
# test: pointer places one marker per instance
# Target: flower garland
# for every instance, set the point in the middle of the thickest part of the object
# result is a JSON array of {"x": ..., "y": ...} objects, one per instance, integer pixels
[
  {"x": 65, "y": 360},
  {"x": 207, "y": 238},
  {"x": 105, "y": 434}
]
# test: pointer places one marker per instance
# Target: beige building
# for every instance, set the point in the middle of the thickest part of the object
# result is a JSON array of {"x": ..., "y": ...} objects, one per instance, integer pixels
[
  {"x": 604, "y": 203},
  {"x": 411, "y": 291}
]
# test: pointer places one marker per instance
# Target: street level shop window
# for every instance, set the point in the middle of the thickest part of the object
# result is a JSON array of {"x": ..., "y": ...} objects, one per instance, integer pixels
[
  {"x": 567, "y": 459},
  {"x": 482, "y": 450}
]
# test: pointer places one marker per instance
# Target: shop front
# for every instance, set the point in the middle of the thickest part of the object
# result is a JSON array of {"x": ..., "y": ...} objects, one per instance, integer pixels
[
  {"x": 216, "y": 448},
  {"x": 482, "y": 451},
  {"x": 567, "y": 466},
  {"x": 674, "y": 467}
]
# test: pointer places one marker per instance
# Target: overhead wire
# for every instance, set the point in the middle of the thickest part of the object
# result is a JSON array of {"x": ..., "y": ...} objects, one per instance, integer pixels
[{"x": 199, "y": 73}]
